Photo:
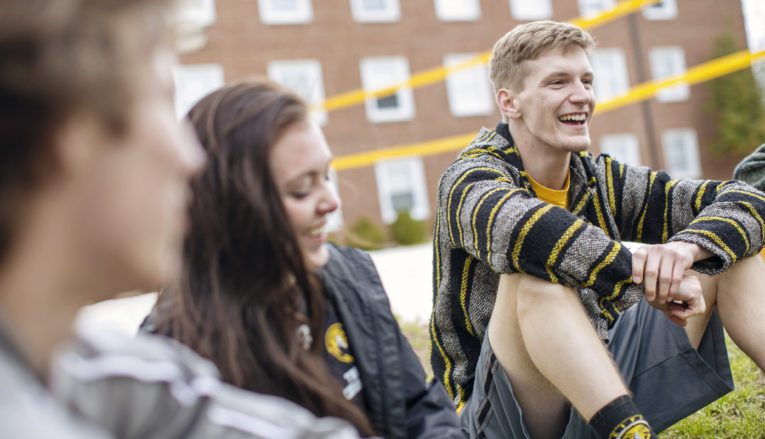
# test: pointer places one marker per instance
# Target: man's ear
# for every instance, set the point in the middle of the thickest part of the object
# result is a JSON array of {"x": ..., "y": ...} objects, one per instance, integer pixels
[{"x": 508, "y": 104}]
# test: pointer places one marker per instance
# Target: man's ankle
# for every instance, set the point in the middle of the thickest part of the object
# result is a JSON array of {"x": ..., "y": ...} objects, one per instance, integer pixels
[{"x": 621, "y": 419}]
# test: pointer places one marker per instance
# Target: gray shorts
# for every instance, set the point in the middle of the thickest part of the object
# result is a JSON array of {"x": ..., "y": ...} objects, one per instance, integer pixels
[{"x": 669, "y": 379}]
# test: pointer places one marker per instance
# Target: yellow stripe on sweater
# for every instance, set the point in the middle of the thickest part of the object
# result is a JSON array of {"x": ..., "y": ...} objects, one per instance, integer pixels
[
  {"x": 562, "y": 241},
  {"x": 475, "y": 218},
  {"x": 700, "y": 195},
  {"x": 728, "y": 221},
  {"x": 447, "y": 363},
  {"x": 451, "y": 194},
  {"x": 525, "y": 229},
  {"x": 605, "y": 262},
  {"x": 463, "y": 294},
  {"x": 645, "y": 207},
  {"x": 757, "y": 216},
  {"x": 713, "y": 236},
  {"x": 665, "y": 226},
  {"x": 610, "y": 185},
  {"x": 492, "y": 215}
]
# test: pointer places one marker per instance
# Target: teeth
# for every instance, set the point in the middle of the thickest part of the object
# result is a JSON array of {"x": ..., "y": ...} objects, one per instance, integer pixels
[
  {"x": 579, "y": 117},
  {"x": 317, "y": 231}
]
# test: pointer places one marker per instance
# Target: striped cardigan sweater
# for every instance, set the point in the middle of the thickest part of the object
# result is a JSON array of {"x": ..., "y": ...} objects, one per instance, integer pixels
[{"x": 490, "y": 222}]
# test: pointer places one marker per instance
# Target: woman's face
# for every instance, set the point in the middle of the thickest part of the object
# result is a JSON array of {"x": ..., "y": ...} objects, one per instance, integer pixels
[{"x": 300, "y": 166}]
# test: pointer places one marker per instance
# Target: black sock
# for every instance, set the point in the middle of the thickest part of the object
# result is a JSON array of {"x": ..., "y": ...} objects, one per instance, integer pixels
[{"x": 621, "y": 419}]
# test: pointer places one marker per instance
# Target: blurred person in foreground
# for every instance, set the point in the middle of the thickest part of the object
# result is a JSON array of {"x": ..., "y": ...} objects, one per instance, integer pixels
[
  {"x": 263, "y": 294},
  {"x": 531, "y": 276},
  {"x": 94, "y": 172}
]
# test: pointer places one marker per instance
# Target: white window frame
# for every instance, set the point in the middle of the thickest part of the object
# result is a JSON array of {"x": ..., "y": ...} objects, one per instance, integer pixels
[
  {"x": 303, "y": 13},
  {"x": 199, "y": 13},
  {"x": 416, "y": 171},
  {"x": 623, "y": 147},
  {"x": 690, "y": 143},
  {"x": 590, "y": 8},
  {"x": 528, "y": 10},
  {"x": 458, "y": 10},
  {"x": 660, "y": 69},
  {"x": 391, "y": 12},
  {"x": 666, "y": 10},
  {"x": 312, "y": 92},
  {"x": 609, "y": 64},
  {"x": 193, "y": 82},
  {"x": 469, "y": 90},
  {"x": 398, "y": 72}
]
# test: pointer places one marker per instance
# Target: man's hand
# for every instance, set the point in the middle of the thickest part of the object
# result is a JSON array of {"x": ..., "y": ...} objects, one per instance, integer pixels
[
  {"x": 661, "y": 268},
  {"x": 688, "y": 302}
]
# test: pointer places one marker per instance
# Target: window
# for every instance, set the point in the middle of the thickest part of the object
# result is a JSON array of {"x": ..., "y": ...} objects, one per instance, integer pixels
[
  {"x": 662, "y": 10},
  {"x": 469, "y": 90},
  {"x": 304, "y": 77},
  {"x": 610, "y": 68},
  {"x": 588, "y": 8},
  {"x": 531, "y": 10},
  {"x": 681, "y": 153},
  {"x": 623, "y": 147},
  {"x": 196, "y": 13},
  {"x": 375, "y": 11},
  {"x": 193, "y": 82},
  {"x": 666, "y": 62},
  {"x": 401, "y": 186},
  {"x": 381, "y": 72},
  {"x": 458, "y": 10},
  {"x": 285, "y": 11}
]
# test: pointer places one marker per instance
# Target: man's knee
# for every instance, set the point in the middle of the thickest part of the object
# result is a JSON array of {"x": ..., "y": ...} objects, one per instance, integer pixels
[{"x": 537, "y": 294}]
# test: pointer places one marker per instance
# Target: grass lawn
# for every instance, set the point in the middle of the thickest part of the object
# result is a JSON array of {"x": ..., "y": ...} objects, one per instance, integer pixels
[{"x": 738, "y": 415}]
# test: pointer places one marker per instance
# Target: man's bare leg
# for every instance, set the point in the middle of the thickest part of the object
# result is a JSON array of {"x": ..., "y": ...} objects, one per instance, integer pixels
[
  {"x": 739, "y": 295},
  {"x": 543, "y": 339}
]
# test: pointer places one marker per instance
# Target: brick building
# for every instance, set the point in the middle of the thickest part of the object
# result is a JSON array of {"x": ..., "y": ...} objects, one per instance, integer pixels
[{"x": 325, "y": 47}]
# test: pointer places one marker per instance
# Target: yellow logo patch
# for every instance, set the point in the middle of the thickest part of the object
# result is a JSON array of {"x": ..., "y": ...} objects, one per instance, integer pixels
[{"x": 337, "y": 343}]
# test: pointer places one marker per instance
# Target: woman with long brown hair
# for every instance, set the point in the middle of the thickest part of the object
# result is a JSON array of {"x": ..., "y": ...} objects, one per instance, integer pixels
[{"x": 267, "y": 299}]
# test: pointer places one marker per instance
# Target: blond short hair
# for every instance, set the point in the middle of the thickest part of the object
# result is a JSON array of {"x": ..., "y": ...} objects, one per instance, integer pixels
[{"x": 530, "y": 41}]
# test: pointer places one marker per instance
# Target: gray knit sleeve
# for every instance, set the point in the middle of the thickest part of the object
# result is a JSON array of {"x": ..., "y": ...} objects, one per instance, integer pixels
[{"x": 752, "y": 169}]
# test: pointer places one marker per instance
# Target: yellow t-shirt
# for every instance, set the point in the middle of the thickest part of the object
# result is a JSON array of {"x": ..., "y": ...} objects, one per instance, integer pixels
[{"x": 558, "y": 197}]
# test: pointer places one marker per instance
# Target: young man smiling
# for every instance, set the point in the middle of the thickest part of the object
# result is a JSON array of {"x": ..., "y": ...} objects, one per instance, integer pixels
[{"x": 531, "y": 278}]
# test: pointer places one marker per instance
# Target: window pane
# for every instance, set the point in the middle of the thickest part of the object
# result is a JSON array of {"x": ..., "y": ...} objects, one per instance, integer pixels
[
  {"x": 387, "y": 102},
  {"x": 610, "y": 68},
  {"x": 666, "y": 62},
  {"x": 531, "y": 10},
  {"x": 456, "y": 10},
  {"x": 402, "y": 201},
  {"x": 623, "y": 147},
  {"x": 468, "y": 90}
]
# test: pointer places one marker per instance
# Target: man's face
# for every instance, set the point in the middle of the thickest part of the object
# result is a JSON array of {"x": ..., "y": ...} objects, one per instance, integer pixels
[
  {"x": 133, "y": 195},
  {"x": 556, "y": 100}
]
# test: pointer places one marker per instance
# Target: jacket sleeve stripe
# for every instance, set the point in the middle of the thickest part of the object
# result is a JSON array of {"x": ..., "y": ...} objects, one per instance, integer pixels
[
  {"x": 646, "y": 198},
  {"x": 542, "y": 209},
  {"x": 667, "y": 212},
  {"x": 699, "y": 196},
  {"x": 476, "y": 209},
  {"x": 559, "y": 246},
  {"x": 729, "y": 221},
  {"x": 454, "y": 221},
  {"x": 446, "y": 379},
  {"x": 582, "y": 203},
  {"x": 492, "y": 217},
  {"x": 464, "y": 288},
  {"x": 599, "y": 214},
  {"x": 610, "y": 257},
  {"x": 756, "y": 215},
  {"x": 716, "y": 239},
  {"x": 610, "y": 184}
]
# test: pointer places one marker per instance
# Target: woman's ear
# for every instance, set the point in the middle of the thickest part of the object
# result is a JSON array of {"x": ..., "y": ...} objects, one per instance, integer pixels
[{"x": 508, "y": 104}]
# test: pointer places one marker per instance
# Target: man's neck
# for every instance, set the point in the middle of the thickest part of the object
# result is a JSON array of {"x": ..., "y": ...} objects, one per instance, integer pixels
[
  {"x": 42, "y": 287},
  {"x": 548, "y": 166}
]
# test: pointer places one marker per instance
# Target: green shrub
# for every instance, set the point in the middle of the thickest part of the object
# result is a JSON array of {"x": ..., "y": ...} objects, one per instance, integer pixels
[
  {"x": 366, "y": 235},
  {"x": 407, "y": 230}
]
